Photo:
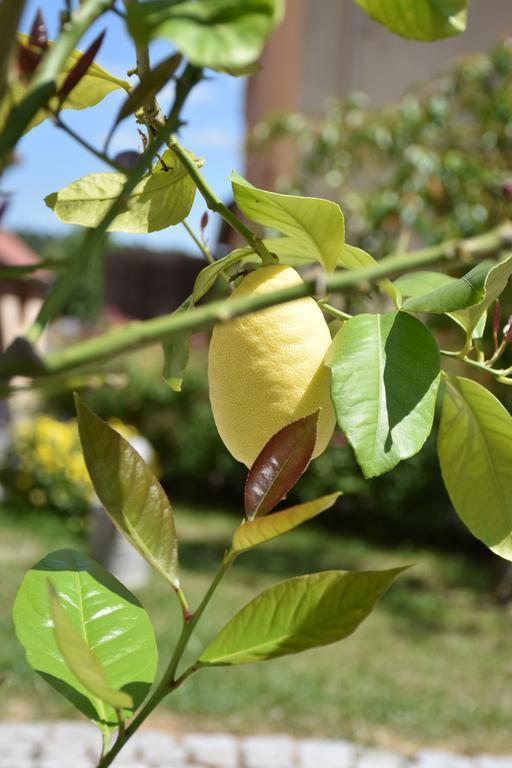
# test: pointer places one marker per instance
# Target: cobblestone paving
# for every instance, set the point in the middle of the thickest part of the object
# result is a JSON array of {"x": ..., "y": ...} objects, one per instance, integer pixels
[{"x": 76, "y": 745}]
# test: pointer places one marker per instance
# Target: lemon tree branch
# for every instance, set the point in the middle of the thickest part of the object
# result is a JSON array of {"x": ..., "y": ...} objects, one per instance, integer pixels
[{"x": 140, "y": 334}]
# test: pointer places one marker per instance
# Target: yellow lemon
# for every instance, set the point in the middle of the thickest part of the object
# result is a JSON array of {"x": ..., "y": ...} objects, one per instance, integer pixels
[{"x": 266, "y": 369}]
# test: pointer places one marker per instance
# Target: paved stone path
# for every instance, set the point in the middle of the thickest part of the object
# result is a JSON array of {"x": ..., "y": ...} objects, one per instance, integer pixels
[{"x": 76, "y": 745}]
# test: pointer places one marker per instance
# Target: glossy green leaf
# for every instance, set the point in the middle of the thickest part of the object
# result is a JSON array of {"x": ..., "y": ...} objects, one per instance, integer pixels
[
  {"x": 164, "y": 197},
  {"x": 298, "y": 614},
  {"x": 424, "y": 282},
  {"x": 220, "y": 34},
  {"x": 108, "y": 618},
  {"x": 315, "y": 225},
  {"x": 177, "y": 352},
  {"x": 81, "y": 660},
  {"x": 495, "y": 283},
  {"x": 385, "y": 377},
  {"x": 208, "y": 276},
  {"x": 465, "y": 300},
  {"x": 457, "y": 294},
  {"x": 279, "y": 465},
  {"x": 94, "y": 86},
  {"x": 130, "y": 493},
  {"x": 419, "y": 19},
  {"x": 253, "y": 532},
  {"x": 475, "y": 453}
]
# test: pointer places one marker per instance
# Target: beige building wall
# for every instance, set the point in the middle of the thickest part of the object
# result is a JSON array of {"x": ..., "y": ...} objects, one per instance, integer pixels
[{"x": 331, "y": 47}]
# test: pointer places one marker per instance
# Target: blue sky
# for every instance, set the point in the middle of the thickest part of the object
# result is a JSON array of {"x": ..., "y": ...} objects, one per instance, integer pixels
[{"x": 48, "y": 159}]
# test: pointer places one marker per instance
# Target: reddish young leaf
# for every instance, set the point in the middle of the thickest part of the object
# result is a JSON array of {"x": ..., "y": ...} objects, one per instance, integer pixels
[
  {"x": 279, "y": 465},
  {"x": 38, "y": 32},
  {"x": 28, "y": 59},
  {"x": 80, "y": 68},
  {"x": 204, "y": 221}
]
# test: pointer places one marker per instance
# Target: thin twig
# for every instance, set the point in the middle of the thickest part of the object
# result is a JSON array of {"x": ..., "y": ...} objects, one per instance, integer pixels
[
  {"x": 59, "y": 123},
  {"x": 215, "y": 204},
  {"x": 169, "y": 681},
  {"x": 334, "y": 311},
  {"x": 202, "y": 246}
]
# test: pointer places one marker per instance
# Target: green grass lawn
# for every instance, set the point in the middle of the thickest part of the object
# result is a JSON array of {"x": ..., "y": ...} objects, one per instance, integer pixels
[{"x": 431, "y": 666}]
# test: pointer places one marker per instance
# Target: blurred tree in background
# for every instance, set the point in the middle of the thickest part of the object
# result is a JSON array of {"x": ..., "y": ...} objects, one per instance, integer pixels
[{"x": 438, "y": 165}]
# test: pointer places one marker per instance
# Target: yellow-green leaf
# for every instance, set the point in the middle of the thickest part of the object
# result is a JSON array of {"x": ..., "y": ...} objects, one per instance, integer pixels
[
  {"x": 419, "y": 19},
  {"x": 164, "y": 197},
  {"x": 298, "y": 614},
  {"x": 475, "y": 454},
  {"x": 253, "y": 532},
  {"x": 109, "y": 619},
  {"x": 314, "y": 224},
  {"x": 207, "y": 276},
  {"x": 92, "y": 88},
  {"x": 81, "y": 659}
]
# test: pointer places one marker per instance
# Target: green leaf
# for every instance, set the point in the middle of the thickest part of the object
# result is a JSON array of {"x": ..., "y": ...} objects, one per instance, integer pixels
[
  {"x": 81, "y": 660},
  {"x": 495, "y": 283},
  {"x": 207, "y": 276},
  {"x": 315, "y": 225},
  {"x": 457, "y": 294},
  {"x": 466, "y": 300},
  {"x": 419, "y": 19},
  {"x": 220, "y": 34},
  {"x": 279, "y": 465},
  {"x": 177, "y": 352},
  {"x": 422, "y": 282},
  {"x": 385, "y": 377},
  {"x": 163, "y": 197},
  {"x": 130, "y": 493},
  {"x": 298, "y": 614},
  {"x": 475, "y": 450},
  {"x": 94, "y": 86},
  {"x": 253, "y": 532},
  {"x": 108, "y": 618}
]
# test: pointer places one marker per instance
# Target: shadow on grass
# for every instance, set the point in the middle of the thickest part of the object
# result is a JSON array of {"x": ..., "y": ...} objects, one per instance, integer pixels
[{"x": 418, "y": 607}]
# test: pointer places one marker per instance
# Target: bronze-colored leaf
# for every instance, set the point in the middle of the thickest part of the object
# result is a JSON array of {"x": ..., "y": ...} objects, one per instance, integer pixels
[
  {"x": 282, "y": 461},
  {"x": 38, "y": 33},
  {"x": 27, "y": 60},
  {"x": 80, "y": 68}
]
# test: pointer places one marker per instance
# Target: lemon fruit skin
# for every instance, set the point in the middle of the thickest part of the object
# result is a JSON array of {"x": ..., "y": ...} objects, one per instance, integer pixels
[{"x": 266, "y": 369}]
